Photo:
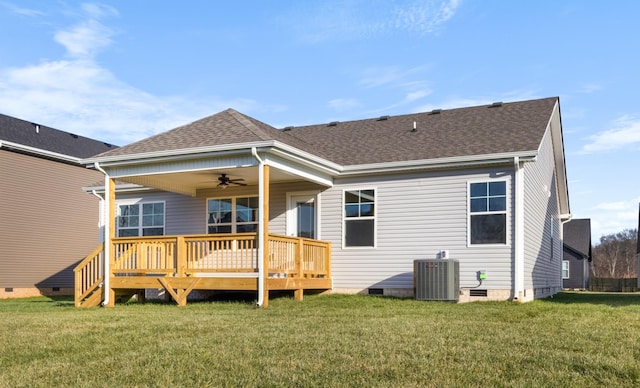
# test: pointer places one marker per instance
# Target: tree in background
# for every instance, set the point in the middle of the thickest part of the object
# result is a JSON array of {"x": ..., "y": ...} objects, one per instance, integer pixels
[{"x": 615, "y": 255}]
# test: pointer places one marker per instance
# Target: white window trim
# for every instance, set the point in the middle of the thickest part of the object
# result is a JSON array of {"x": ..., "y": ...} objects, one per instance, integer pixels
[
  {"x": 234, "y": 224},
  {"x": 374, "y": 217},
  {"x": 507, "y": 211},
  {"x": 568, "y": 269},
  {"x": 129, "y": 202},
  {"x": 289, "y": 217}
]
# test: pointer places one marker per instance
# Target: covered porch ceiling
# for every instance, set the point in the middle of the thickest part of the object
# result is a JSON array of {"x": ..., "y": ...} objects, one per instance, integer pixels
[
  {"x": 189, "y": 182},
  {"x": 186, "y": 174}
]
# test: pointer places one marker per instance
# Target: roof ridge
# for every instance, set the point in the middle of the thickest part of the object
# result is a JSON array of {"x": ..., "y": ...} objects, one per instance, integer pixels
[{"x": 250, "y": 125}]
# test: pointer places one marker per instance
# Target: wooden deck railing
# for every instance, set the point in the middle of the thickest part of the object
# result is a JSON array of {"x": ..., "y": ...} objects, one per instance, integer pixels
[
  {"x": 203, "y": 256},
  {"x": 89, "y": 276},
  {"x": 298, "y": 257}
]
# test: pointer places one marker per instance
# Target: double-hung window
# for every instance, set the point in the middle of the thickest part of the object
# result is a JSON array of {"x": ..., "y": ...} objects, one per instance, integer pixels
[
  {"x": 359, "y": 218},
  {"x": 141, "y": 219},
  {"x": 232, "y": 215},
  {"x": 565, "y": 269},
  {"x": 488, "y": 212}
]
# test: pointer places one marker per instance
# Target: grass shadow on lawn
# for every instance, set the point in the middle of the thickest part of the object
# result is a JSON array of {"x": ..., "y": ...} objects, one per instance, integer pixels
[{"x": 613, "y": 299}]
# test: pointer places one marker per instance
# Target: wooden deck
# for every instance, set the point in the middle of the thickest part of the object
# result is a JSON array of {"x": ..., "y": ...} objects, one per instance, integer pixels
[{"x": 181, "y": 264}]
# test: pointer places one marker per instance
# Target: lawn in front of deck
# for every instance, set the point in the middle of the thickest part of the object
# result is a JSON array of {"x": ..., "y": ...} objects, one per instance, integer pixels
[{"x": 574, "y": 339}]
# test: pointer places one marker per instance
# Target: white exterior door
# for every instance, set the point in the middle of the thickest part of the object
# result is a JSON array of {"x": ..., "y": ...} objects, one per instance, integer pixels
[{"x": 302, "y": 215}]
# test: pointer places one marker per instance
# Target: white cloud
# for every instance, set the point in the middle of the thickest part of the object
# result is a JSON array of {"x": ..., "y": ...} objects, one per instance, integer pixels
[
  {"x": 85, "y": 39},
  {"x": 425, "y": 16},
  {"x": 613, "y": 217},
  {"x": 378, "y": 76},
  {"x": 366, "y": 19},
  {"x": 417, "y": 95},
  {"x": 344, "y": 104},
  {"x": 625, "y": 132},
  {"x": 591, "y": 88},
  {"x": 20, "y": 10},
  {"x": 78, "y": 95},
  {"x": 612, "y": 206}
]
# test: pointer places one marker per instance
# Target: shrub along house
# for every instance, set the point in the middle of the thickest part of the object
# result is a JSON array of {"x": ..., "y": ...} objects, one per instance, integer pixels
[
  {"x": 229, "y": 202},
  {"x": 47, "y": 223},
  {"x": 576, "y": 254}
]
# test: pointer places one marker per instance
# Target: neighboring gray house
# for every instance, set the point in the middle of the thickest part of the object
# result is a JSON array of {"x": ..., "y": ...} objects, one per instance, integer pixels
[
  {"x": 576, "y": 262},
  {"x": 485, "y": 185},
  {"x": 47, "y": 222}
]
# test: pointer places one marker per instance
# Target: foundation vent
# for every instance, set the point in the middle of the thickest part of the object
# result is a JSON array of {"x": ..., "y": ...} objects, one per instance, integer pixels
[{"x": 478, "y": 293}]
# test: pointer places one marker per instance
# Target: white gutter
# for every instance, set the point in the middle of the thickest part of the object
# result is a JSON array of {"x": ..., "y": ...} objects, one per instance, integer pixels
[
  {"x": 107, "y": 238},
  {"x": 185, "y": 153},
  {"x": 450, "y": 162},
  {"x": 518, "y": 261},
  {"x": 40, "y": 152},
  {"x": 260, "y": 258}
]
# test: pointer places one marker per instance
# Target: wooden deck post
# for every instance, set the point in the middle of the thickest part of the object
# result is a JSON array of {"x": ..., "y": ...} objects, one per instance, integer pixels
[
  {"x": 111, "y": 214},
  {"x": 298, "y": 294},
  {"x": 265, "y": 248}
]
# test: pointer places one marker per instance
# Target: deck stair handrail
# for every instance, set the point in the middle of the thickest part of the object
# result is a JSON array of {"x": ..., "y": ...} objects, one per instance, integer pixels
[{"x": 89, "y": 278}]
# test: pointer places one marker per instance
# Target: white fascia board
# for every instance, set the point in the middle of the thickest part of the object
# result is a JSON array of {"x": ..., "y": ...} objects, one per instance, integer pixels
[
  {"x": 294, "y": 154},
  {"x": 301, "y": 171},
  {"x": 40, "y": 152},
  {"x": 441, "y": 163},
  {"x": 120, "y": 188},
  {"x": 187, "y": 153},
  {"x": 562, "y": 187}
]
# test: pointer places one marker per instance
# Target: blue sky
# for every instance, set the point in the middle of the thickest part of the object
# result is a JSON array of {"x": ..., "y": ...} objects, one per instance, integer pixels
[{"x": 120, "y": 71}]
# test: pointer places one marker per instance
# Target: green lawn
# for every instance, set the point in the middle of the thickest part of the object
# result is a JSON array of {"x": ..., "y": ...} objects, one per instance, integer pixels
[{"x": 572, "y": 340}]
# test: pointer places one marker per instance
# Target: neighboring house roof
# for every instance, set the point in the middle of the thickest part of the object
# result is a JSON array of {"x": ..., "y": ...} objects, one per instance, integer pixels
[
  {"x": 29, "y": 137},
  {"x": 482, "y": 130},
  {"x": 638, "y": 231},
  {"x": 577, "y": 237}
]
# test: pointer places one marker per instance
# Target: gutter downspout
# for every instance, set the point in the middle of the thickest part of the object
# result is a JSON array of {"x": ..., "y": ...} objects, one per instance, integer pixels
[
  {"x": 100, "y": 218},
  {"x": 518, "y": 265},
  {"x": 107, "y": 237},
  {"x": 261, "y": 241}
]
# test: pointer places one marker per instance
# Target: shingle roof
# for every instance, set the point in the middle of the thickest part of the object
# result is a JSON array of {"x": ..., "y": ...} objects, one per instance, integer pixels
[
  {"x": 49, "y": 139},
  {"x": 511, "y": 127},
  {"x": 226, "y": 127},
  {"x": 577, "y": 236},
  {"x": 480, "y": 130}
]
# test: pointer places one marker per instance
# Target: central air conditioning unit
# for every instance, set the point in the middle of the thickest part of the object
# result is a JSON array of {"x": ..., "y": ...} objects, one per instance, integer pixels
[{"x": 436, "y": 279}]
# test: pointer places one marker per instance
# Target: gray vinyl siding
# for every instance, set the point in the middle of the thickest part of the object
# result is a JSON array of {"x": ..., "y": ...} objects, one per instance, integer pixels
[
  {"x": 183, "y": 214},
  {"x": 417, "y": 215},
  {"x": 278, "y": 205},
  {"x": 542, "y": 261},
  {"x": 48, "y": 223},
  {"x": 188, "y": 215}
]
